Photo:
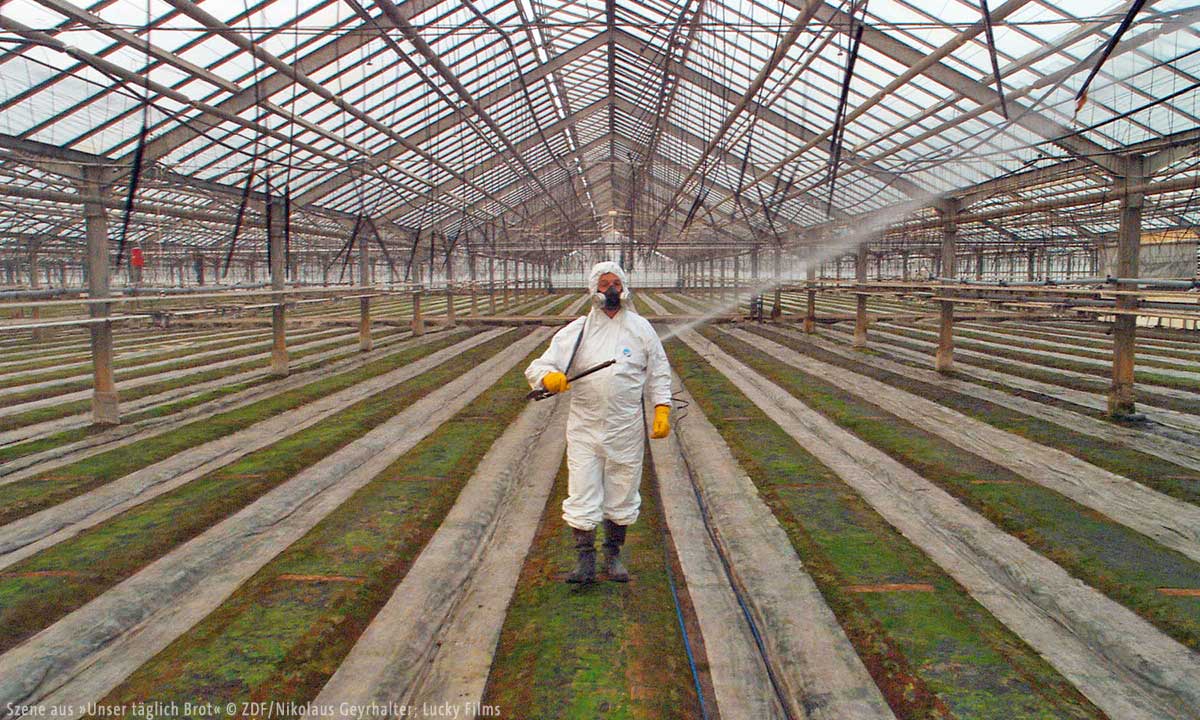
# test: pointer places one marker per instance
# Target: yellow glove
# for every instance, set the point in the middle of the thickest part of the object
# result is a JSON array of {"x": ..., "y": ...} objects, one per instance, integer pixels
[
  {"x": 555, "y": 382},
  {"x": 662, "y": 422}
]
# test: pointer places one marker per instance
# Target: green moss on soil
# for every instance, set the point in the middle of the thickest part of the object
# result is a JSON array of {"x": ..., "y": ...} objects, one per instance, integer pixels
[
  {"x": 281, "y": 639},
  {"x": 98, "y": 558},
  {"x": 607, "y": 650},
  {"x": 24, "y": 497},
  {"x": 1149, "y": 470},
  {"x": 1126, "y": 565},
  {"x": 934, "y": 654}
]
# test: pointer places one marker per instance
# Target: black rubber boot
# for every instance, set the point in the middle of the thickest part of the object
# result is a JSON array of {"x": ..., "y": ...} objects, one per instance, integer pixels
[
  {"x": 585, "y": 568},
  {"x": 614, "y": 538}
]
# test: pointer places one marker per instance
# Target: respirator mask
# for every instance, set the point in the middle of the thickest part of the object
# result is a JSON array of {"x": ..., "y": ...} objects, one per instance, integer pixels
[{"x": 608, "y": 300}]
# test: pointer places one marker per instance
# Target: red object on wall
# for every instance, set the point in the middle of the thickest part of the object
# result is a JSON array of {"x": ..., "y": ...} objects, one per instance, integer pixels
[{"x": 136, "y": 259}]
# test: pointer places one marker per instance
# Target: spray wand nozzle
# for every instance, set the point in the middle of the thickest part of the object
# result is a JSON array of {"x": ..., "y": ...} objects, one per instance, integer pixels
[{"x": 542, "y": 393}]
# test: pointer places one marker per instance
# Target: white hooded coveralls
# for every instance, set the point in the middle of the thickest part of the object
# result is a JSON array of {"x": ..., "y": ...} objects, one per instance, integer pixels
[{"x": 605, "y": 430}]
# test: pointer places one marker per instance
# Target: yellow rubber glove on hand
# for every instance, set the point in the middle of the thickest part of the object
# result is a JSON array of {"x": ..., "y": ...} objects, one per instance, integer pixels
[
  {"x": 555, "y": 382},
  {"x": 662, "y": 422}
]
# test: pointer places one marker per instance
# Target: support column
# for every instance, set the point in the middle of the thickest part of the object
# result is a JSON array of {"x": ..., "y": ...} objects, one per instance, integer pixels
[
  {"x": 504, "y": 282},
  {"x": 198, "y": 266},
  {"x": 737, "y": 273},
  {"x": 944, "y": 361},
  {"x": 279, "y": 354},
  {"x": 724, "y": 280},
  {"x": 777, "y": 306},
  {"x": 105, "y": 409},
  {"x": 451, "y": 317},
  {"x": 492, "y": 285},
  {"x": 904, "y": 272},
  {"x": 1031, "y": 274},
  {"x": 34, "y": 283},
  {"x": 471, "y": 272},
  {"x": 1129, "y": 235},
  {"x": 364, "y": 303},
  {"x": 978, "y": 264},
  {"x": 418, "y": 323},
  {"x": 810, "y": 274},
  {"x": 860, "y": 299}
]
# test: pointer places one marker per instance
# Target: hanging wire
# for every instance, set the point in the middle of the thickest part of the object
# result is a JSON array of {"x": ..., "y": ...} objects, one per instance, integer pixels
[{"x": 139, "y": 154}]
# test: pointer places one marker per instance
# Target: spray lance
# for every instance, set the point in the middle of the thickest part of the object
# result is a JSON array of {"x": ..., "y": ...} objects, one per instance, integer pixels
[{"x": 542, "y": 393}]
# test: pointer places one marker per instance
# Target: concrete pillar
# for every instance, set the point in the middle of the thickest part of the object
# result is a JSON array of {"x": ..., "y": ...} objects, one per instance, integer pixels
[
  {"x": 1129, "y": 234},
  {"x": 34, "y": 282},
  {"x": 777, "y": 306},
  {"x": 365, "y": 344},
  {"x": 737, "y": 272},
  {"x": 492, "y": 285},
  {"x": 198, "y": 266},
  {"x": 1031, "y": 274},
  {"x": 978, "y": 264},
  {"x": 105, "y": 409},
  {"x": 810, "y": 312},
  {"x": 471, "y": 272},
  {"x": 860, "y": 299},
  {"x": 944, "y": 361},
  {"x": 418, "y": 323},
  {"x": 504, "y": 282},
  {"x": 904, "y": 268},
  {"x": 451, "y": 316},
  {"x": 279, "y": 354},
  {"x": 724, "y": 281}
]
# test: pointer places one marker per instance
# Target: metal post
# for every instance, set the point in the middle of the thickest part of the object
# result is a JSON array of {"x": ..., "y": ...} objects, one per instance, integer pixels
[
  {"x": 105, "y": 409},
  {"x": 1129, "y": 233}
]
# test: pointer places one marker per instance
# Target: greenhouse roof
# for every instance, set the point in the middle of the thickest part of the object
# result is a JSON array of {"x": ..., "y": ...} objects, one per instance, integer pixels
[{"x": 533, "y": 126}]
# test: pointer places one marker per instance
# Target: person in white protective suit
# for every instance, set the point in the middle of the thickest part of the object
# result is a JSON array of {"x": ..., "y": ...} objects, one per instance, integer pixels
[{"x": 605, "y": 432}]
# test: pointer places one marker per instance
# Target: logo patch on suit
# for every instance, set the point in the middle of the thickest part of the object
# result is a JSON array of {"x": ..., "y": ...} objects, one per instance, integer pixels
[{"x": 627, "y": 352}]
